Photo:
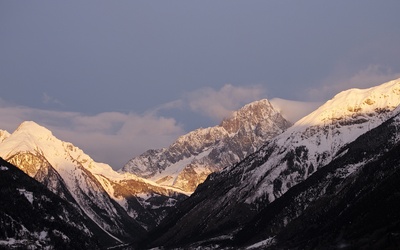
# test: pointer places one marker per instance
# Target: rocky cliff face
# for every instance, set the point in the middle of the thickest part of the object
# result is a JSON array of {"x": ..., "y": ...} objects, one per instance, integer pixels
[{"x": 188, "y": 161}]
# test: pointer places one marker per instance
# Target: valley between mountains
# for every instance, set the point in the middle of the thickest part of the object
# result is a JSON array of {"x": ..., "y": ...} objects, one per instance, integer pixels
[{"x": 255, "y": 181}]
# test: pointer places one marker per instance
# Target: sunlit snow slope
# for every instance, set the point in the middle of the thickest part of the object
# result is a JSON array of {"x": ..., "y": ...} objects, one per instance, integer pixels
[{"x": 315, "y": 139}]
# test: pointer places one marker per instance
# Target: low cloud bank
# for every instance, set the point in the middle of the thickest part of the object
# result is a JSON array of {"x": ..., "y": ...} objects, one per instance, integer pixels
[
  {"x": 115, "y": 137},
  {"x": 110, "y": 137},
  {"x": 219, "y": 104},
  {"x": 216, "y": 104}
]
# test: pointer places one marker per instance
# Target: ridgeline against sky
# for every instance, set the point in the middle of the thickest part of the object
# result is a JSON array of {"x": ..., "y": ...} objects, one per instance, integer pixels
[{"x": 135, "y": 75}]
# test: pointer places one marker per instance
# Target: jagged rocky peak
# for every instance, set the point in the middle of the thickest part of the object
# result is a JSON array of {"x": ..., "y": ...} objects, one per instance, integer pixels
[
  {"x": 192, "y": 157},
  {"x": 198, "y": 139},
  {"x": 251, "y": 114}
]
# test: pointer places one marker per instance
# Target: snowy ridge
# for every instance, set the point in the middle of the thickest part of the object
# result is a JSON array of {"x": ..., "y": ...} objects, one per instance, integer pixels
[
  {"x": 314, "y": 140},
  {"x": 31, "y": 137},
  {"x": 355, "y": 103},
  {"x": 192, "y": 157}
]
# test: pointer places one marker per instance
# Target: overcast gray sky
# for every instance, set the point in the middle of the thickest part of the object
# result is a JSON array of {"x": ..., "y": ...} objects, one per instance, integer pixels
[{"x": 119, "y": 77}]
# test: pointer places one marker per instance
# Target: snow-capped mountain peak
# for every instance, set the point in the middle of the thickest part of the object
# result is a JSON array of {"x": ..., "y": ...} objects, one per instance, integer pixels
[
  {"x": 73, "y": 175},
  {"x": 193, "y": 156},
  {"x": 249, "y": 115},
  {"x": 27, "y": 137},
  {"x": 32, "y": 137},
  {"x": 318, "y": 136},
  {"x": 341, "y": 120},
  {"x": 31, "y": 126},
  {"x": 355, "y": 103}
]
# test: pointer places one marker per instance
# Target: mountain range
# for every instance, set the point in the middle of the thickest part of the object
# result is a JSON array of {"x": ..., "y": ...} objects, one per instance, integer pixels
[
  {"x": 228, "y": 201},
  {"x": 123, "y": 205},
  {"x": 255, "y": 181}
]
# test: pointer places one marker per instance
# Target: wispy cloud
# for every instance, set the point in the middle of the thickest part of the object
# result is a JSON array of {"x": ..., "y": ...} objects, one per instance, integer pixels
[
  {"x": 177, "y": 104},
  {"x": 218, "y": 104},
  {"x": 365, "y": 78},
  {"x": 47, "y": 99},
  {"x": 294, "y": 110}
]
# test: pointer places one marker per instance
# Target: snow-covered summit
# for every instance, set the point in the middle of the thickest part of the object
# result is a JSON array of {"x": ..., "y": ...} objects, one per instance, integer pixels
[
  {"x": 342, "y": 119},
  {"x": 33, "y": 127},
  {"x": 32, "y": 137},
  {"x": 355, "y": 103},
  {"x": 29, "y": 136},
  {"x": 250, "y": 115}
]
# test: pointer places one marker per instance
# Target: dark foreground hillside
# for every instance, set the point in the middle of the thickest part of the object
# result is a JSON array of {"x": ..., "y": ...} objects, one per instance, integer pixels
[{"x": 32, "y": 217}]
